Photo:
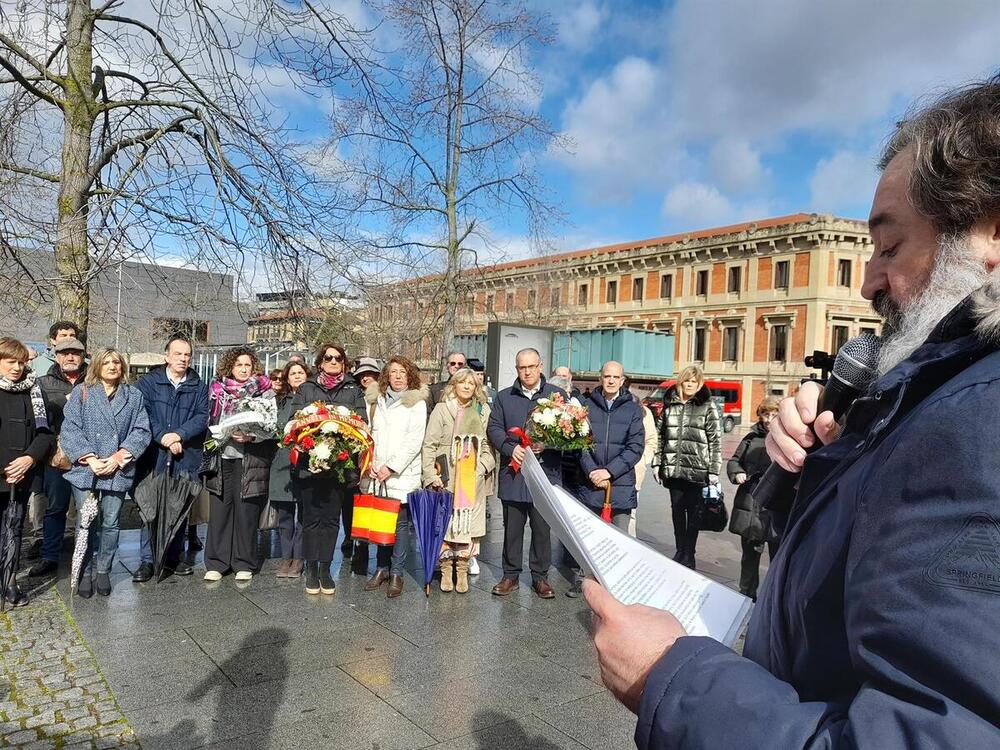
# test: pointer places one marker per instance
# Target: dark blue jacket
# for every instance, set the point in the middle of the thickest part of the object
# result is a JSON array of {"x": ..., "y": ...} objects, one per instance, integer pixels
[
  {"x": 619, "y": 439},
  {"x": 510, "y": 409},
  {"x": 877, "y": 625},
  {"x": 183, "y": 410}
]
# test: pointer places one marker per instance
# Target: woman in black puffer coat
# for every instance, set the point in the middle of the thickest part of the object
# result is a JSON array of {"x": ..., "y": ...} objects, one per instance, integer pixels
[
  {"x": 690, "y": 455},
  {"x": 752, "y": 523}
]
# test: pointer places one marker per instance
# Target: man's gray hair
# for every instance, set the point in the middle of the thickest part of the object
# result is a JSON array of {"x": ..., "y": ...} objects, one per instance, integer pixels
[
  {"x": 529, "y": 349},
  {"x": 449, "y": 354},
  {"x": 956, "y": 156},
  {"x": 560, "y": 381}
]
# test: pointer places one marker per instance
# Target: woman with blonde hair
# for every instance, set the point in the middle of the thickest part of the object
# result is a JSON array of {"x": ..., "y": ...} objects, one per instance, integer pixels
[
  {"x": 690, "y": 455},
  {"x": 457, "y": 457},
  {"x": 105, "y": 430}
]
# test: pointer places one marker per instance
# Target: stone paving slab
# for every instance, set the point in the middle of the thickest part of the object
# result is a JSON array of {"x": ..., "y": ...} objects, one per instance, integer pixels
[{"x": 184, "y": 664}]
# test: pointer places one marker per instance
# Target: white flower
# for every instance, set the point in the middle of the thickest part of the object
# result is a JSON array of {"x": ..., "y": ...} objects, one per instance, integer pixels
[
  {"x": 537, "y": 417},
  {"x": 342, "y": 411},
  {"x": 583, "y": 428},
  {"x": 289, "y": 426},
  {"x": 311, "y": 409},
  {"x": 544, "y": 401},
  {"x": 548, "y": 418},
  {"x": 574, "y": 402},
  {"x": 328, "y": 428},
  {"x": 321, "y": 451}
]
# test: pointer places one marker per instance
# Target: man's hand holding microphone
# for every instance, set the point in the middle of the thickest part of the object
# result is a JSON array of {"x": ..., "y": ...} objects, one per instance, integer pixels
[{"x": 797, "y": 427}]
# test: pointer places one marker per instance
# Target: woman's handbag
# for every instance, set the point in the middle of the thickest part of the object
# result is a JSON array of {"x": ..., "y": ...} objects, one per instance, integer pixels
[
  {"x": 375, "y": 515},
  {"x": 59, "y": 459},
  {"x": 268, "y": 517},
  {"x": 714, "y": 515},
  {"x": 211, "y": 463}
]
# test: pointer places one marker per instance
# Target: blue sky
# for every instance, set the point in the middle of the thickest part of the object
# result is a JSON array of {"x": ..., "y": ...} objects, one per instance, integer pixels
[{"x": 697, "y": 113}]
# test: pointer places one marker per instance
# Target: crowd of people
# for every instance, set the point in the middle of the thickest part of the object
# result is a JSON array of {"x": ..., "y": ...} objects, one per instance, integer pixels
[{"x": 82, "y": 430}]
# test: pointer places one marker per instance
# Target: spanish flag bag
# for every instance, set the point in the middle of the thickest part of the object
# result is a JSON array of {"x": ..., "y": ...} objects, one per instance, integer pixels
[{"x": 375, "y": 517}]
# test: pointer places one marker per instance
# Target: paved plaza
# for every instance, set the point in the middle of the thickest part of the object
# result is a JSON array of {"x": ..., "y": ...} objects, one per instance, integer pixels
[{"x": 185, "y": 664}]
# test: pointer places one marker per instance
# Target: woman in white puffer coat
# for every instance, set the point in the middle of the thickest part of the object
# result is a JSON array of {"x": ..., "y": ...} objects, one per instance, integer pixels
[{"x": 397, "y": 411}]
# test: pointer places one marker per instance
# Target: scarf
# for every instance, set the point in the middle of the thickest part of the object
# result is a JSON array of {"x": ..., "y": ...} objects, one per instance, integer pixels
[
  {"x": 466, "y": 442},
  {"x": 29, "y": 383},
  {"x": 227, "y": 393},
  {"x": 392, "y": 396},
  {"x": 328, "y": 382}
]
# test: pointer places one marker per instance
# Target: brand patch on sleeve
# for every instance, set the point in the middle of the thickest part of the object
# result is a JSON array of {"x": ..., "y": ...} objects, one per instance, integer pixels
[{"x": 972, "y": 559}]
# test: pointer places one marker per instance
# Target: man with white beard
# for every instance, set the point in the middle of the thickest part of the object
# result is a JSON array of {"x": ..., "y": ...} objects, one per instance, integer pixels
[{"x": 877, "y": 626}]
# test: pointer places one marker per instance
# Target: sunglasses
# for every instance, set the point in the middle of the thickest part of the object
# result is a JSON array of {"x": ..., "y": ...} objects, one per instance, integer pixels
[
  {"x": 332, "y": 358},
  {"x": 456, "y": 364}
]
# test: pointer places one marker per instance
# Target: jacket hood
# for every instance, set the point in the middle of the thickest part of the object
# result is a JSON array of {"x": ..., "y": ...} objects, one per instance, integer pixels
[
  {"x": 701, "y": 397},
  {"x": 409, "y": 398}
]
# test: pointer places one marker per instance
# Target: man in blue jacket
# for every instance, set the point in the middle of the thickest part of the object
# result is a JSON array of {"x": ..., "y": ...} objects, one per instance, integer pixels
[
  {"x": 177, "y": 402},
  {"x": 877, "y": 624},
  {"x": 619, "y": 439},
  {"x": 510, "y": 410}
]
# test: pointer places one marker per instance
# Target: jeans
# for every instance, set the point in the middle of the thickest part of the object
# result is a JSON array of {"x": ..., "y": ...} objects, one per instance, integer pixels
[
  {"x": 174, "y": 549},
  {"x": 290, "y": 530},
  {"x": 102, "y": 541},
  {"x": 393, "y": 556},
  {"x": 58, "y": 490}
]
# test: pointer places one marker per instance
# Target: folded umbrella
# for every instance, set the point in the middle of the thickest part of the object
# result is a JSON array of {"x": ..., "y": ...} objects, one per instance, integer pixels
[
  {"x": 164, "y": 501},
  {"x": 9, "y": 551},
  {"x": 430, "y": 511},
  {"x": 86, "y": 516}
]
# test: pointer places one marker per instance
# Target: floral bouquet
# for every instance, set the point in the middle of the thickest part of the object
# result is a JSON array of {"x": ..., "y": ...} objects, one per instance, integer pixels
[
  {"x": 251, "y": 415},
  {"x": 556, "y": 424},
  {"x": 333, "y": 438}
]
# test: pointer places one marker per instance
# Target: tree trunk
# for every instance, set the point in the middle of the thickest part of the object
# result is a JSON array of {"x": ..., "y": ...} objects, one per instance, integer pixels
[{"x": 71, "y": 255}]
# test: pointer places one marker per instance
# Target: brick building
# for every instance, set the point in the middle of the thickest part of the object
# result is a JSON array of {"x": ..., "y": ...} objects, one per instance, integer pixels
[{"x": 747, "y": 301}]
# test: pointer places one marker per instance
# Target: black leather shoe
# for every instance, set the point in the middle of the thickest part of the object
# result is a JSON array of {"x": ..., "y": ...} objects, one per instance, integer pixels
[
  {"x": 312, "y": 577},
  {"x": 43, "y": 568},
  {"x": 143, "y": 573},
  {"x": 86, "y": 586},
  {"x": 15, "y": 597},
  {"x": 103, "y": 584},
  {"x": 326, "y": 584},
  {"x": 183, "y": 568}
]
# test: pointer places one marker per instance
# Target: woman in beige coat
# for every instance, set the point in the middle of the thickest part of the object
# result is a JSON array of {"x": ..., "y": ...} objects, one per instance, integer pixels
[{"x": 457, "y": 456}]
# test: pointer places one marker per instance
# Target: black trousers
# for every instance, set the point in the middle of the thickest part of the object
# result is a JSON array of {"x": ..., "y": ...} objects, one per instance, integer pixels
[
  {"x": 320, "y": 500},
  {"x": 347, "y": 512},
  {"x": 515, "y": 515},
  {"x": 750, "y": 565},
  {"x": 231, "y": 541},
  {"x": 686, "y": 503}
]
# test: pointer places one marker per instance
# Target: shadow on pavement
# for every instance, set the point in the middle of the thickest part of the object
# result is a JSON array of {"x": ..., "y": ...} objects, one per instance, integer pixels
[
  {"x": 514, "y": 735},
  {"x": 229, "y": 712}
]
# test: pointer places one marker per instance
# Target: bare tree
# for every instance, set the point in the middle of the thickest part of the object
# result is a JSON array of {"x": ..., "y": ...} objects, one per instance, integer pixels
[
  {"x": 449, "y": 144},
  {"x": 132, "y": 124}
]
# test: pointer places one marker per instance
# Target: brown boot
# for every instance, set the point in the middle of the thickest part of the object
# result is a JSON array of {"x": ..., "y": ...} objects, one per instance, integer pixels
[
  {"x": 395, "y": 586},
  {"x": 447, "y": 570},
  {"x": 282, "y": 571},
  {"x": 462, "y": 575},
  {"x": 294, "y": 568},
  {"x": 380, "y": 576}
]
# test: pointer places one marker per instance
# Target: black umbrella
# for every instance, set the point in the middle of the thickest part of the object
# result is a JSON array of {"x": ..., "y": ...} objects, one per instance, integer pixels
[
  {"x": 10, "y": 543},
  {"x": 164, "y": 501}
]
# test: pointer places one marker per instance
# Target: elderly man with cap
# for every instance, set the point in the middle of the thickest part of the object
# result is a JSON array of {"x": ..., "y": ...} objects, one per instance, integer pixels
[
  {"x": 455, "y": 361},
  {"x": 67, "y": 370}
]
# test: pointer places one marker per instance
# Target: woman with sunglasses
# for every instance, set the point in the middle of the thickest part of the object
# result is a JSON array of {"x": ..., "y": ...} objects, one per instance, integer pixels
[{"x": 321, "y": 496}]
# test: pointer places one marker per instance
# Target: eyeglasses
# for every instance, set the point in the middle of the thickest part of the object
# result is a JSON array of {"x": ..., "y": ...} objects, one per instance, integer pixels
[
  {"x": 527, "y": 367},
  {"x": 332, "y": 358},
  {"x": 456, "y": 364}
]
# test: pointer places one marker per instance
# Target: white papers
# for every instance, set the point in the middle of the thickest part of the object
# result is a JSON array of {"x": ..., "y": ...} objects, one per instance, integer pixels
[{"x": 631, "y": 571}]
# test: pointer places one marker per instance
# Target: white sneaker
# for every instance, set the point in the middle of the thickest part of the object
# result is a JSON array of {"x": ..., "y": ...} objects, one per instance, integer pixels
[
  {"x": 473, "y": 566},
  {"x": 213, "y": 575},
  {"x": 244, "y": 575}
]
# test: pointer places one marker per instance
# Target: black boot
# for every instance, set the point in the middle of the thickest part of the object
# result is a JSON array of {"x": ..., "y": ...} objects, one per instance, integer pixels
[
  {"x": 312, "y": 577},
  {"x": 359, "y": 562},
  {"x": 326, "y": 584},
  {"x": 86, "y": 586},
  {"x": 680, "y": 543},
  {"x": 692, "y": 540}
]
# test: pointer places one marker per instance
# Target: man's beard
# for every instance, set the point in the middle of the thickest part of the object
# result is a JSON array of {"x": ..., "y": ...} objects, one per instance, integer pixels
[{"x": 957, "y": 273}]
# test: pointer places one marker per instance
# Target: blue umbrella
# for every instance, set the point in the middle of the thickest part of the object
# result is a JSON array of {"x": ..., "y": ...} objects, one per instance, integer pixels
[{"x": 430, "y": 511}]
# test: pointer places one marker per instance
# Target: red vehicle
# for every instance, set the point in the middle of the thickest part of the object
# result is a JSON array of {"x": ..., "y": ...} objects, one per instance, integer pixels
[{"x": 727, "y": 394}]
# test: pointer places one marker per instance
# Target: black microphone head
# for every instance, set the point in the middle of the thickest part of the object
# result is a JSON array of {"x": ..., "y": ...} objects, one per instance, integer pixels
[{"x": 857, "y": 361}]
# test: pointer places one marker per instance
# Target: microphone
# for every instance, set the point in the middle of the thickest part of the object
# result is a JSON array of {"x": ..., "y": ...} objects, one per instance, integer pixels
[{"x": 854, "y": 371}]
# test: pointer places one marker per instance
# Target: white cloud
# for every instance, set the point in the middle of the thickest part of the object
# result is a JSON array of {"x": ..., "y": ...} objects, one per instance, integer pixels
[
  {"x": 843, "y": 183},
  {"x": 578, "y": 26},
  {"x": 736, "y": 166},
  {"x": 695, "y": 204}
]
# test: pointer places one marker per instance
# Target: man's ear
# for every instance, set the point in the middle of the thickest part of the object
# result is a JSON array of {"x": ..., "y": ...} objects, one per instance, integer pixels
[{"x": 990, "y": 236}]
